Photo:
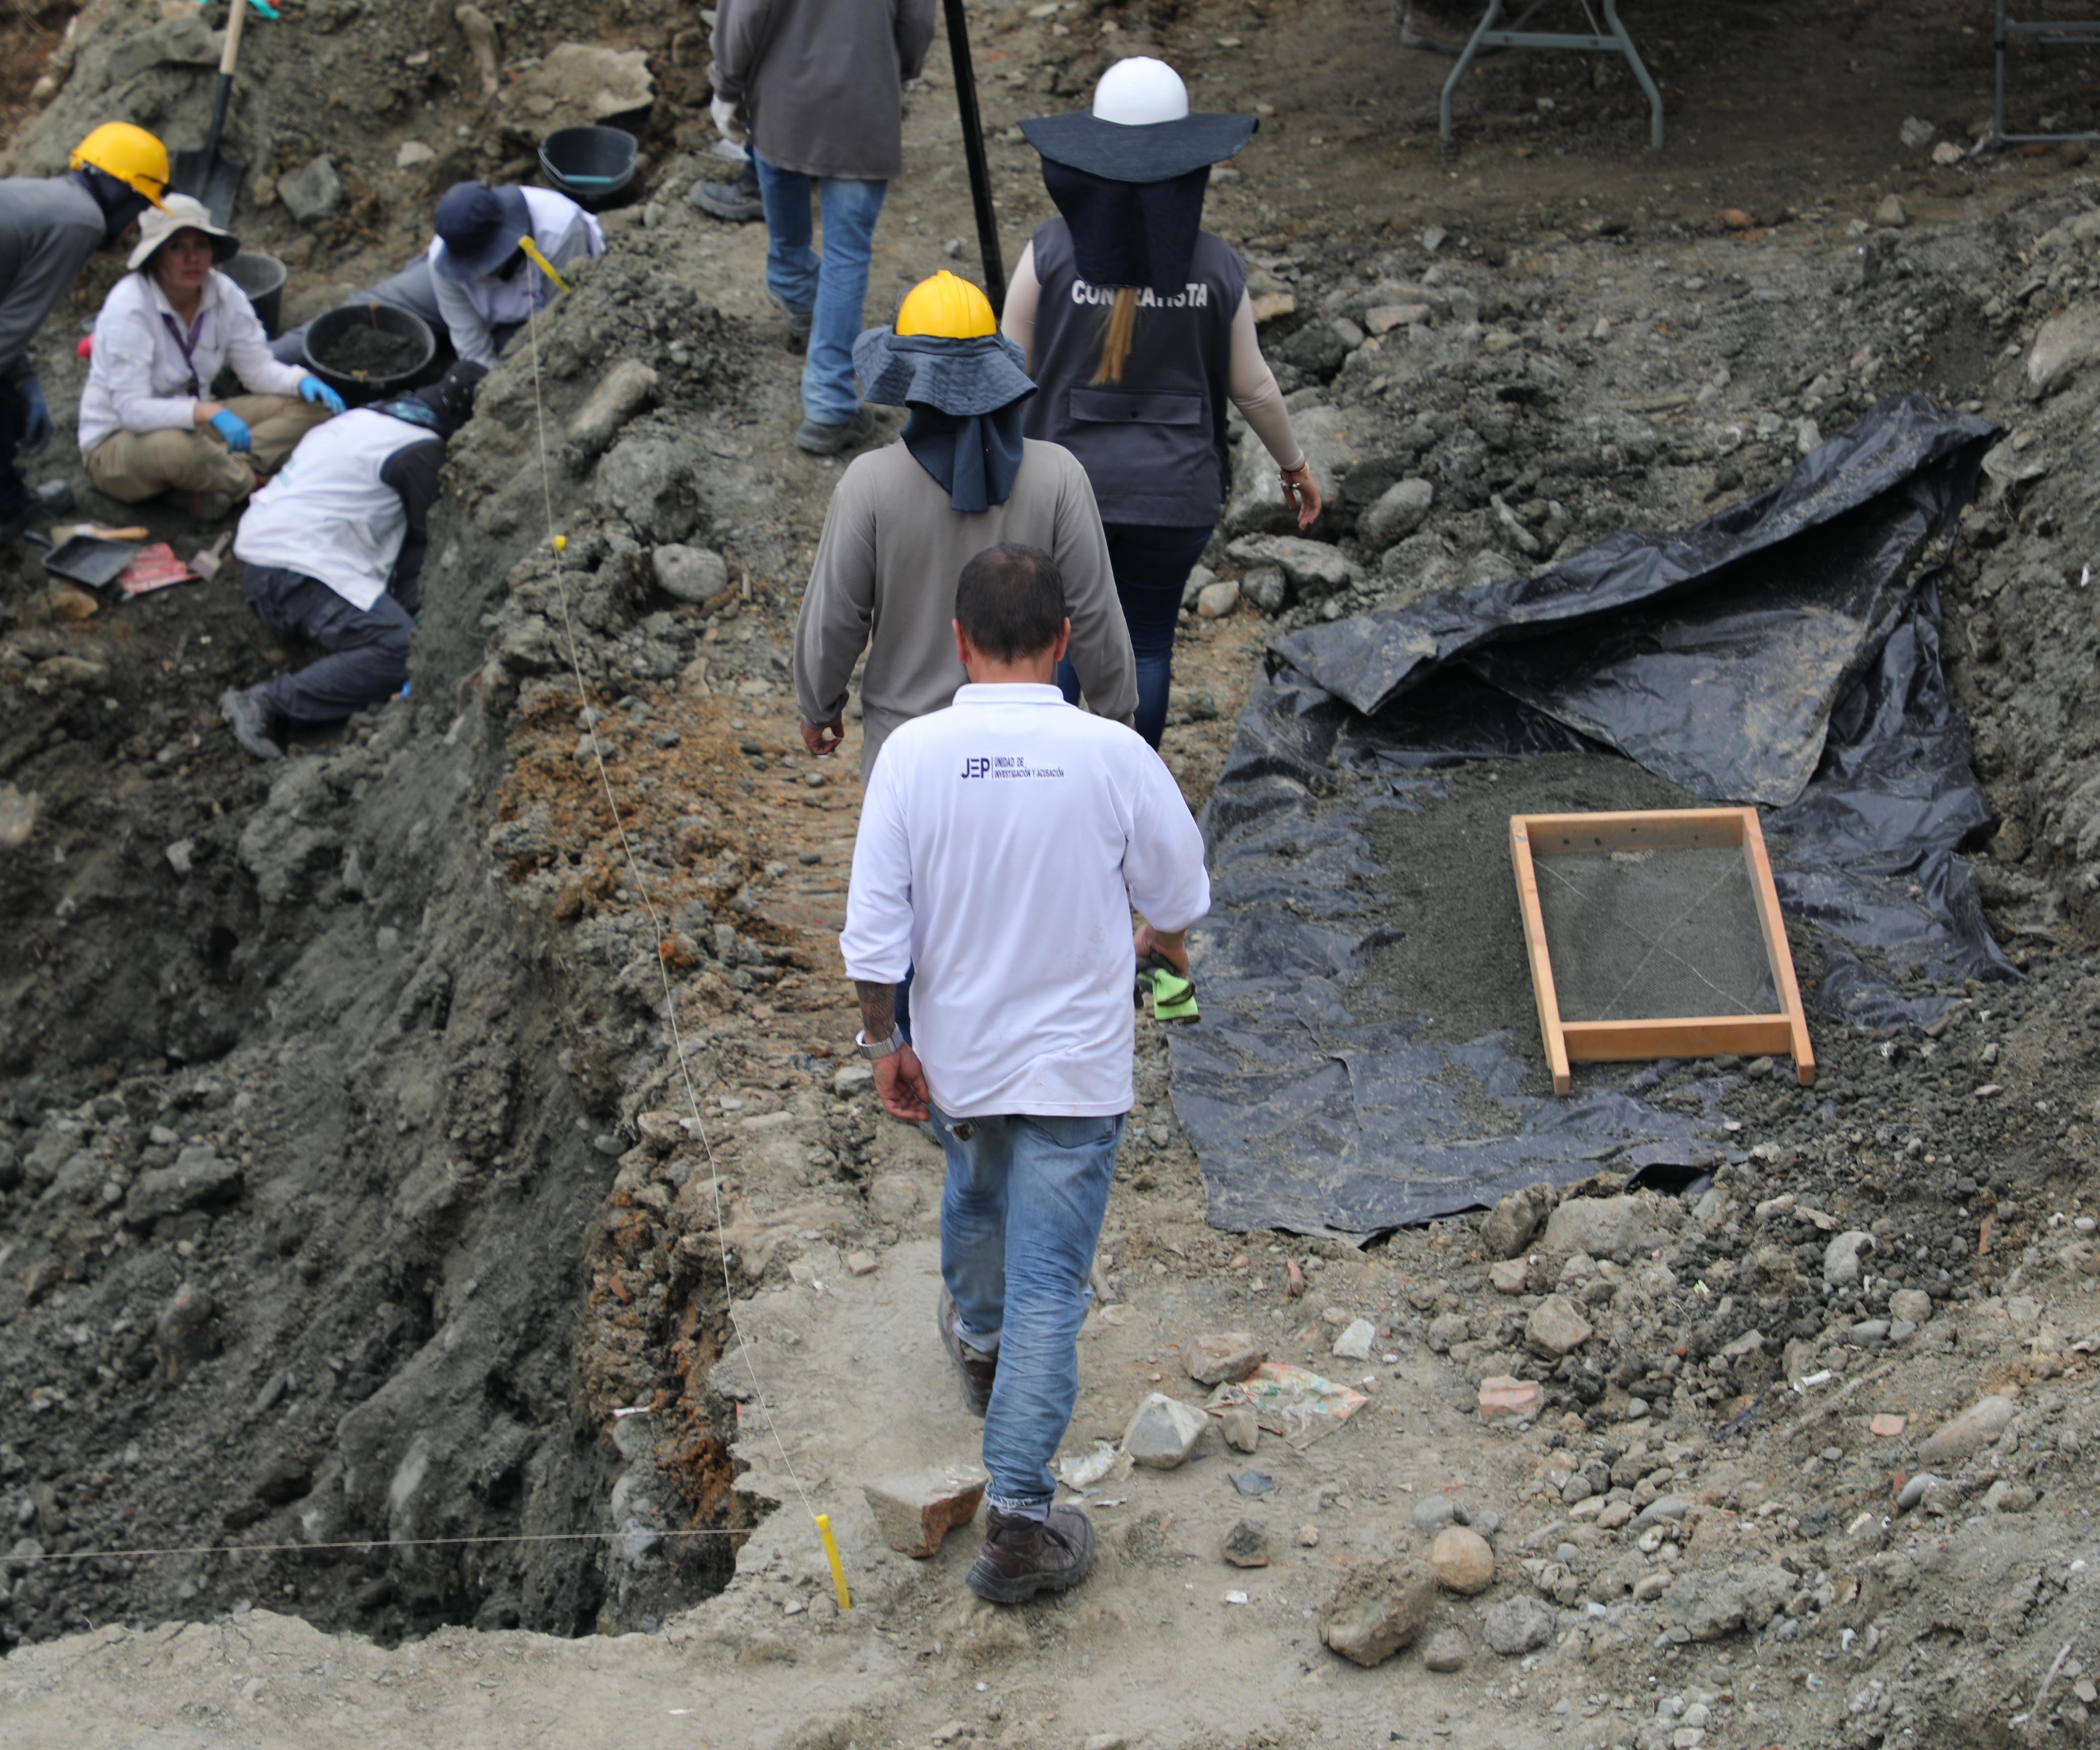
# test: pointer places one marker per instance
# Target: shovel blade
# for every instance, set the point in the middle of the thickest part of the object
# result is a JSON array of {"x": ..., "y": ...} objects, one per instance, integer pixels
[{"x": 212, "y": 177}]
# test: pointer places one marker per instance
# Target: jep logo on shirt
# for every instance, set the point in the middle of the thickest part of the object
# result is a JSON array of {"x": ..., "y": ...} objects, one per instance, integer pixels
[{"x": 1006, "y": 765}]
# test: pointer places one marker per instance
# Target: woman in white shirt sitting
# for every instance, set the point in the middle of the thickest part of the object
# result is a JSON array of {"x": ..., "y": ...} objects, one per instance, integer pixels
[{"x": 148, "y": 424}]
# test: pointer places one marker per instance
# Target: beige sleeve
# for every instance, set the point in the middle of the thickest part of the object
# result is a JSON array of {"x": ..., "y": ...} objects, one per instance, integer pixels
[
  {"x": 838, "y": 606},
  {"x": 1100, "y": 649},
  {"x": 1017, "y": 322},
  {"x": 1254, "y": 390}
]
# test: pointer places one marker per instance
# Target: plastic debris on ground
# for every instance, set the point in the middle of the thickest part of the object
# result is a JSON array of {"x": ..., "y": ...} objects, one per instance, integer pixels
[
  {"x": 1293, "y": 1402},
  {"x": 156, "y": 568},
  {"x": 1785, "y": 652}
]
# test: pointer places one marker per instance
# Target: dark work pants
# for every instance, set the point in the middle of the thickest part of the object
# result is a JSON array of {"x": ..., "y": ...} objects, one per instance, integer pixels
[
  {"x": 367, "y": 648},
  {"x": 14, "y": 495},
  {"x": 1152, "y": 565}
]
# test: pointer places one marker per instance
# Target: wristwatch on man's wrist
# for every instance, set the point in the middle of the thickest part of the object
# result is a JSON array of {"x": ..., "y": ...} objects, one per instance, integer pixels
[{"x": 875, "y": 1052}]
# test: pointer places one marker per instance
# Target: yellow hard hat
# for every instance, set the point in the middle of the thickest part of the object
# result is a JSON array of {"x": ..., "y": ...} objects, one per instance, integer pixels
[
  {"x": 130, "y": 154},
  {"x": 947, "y": 307}
]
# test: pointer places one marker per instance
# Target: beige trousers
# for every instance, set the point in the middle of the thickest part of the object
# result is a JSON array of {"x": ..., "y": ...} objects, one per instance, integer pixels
[{"x": 132, "y": 465}]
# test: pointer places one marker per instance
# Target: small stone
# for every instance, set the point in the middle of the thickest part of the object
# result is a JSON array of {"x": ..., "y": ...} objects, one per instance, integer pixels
[
  {"x": 1314, "y": 569},
  {"x": 1888, "y": 1427},
  {"x": 915, "y": 1509},
  {"x": 1841, "y": 1258},
  {"x": 1162, "y": 1431},
  {"x": 1246, "y": 1543},
  {"x": 1619, "y": 1228},
  {"x": 312, "y": 192},
  {"x": 1433, "y": 1513},
  {"x": 1734, "y": 218},
  {"x": 1307, "y": 1537},
  {"x": 1916, "y": 132},
  {"x": 1981, "y": 1423},
  {"x": 1379, "y": 1608},
  {"x": 1662, "y": 1508},
  {"x": 1217, "y": 600},
  {"x": 1265, "y": 587},
  {"x": 178, "y": 855},
  {"x": 1510, "y": 1276},
  {"x": 1889, "y": 210},
  {"x": 1946, "y": 153},
  {"x": 1507, "y": 1230},
  {"x": 1272, "y": 307},
  {"x": 855, "y": 1078},
  {"x": 1354, "y": 1344},
  {"x": 1914, "y": 1490},
  {"x": 1397, "y": 512},
  {"x": 1382, "y": 319},
  {"x": 1519, "y": 1625},
  {"x": 411, "y": 153},
  {"x": 1503, "y": 1399},
  {"x": 621, "y": 393},
  {"x": 1912, "y": 1305},
  {"x": 1613, "y": 1514},
  {"x": 1200, "y": 578},
  {"x": 690, "y": 574},
  {"x": 198, "y": 1180},
  {"x": 1555, "y": 1328},
  {"x": 1463, "y": 1561},
  {"x": 182, "y": 1334},
  {"x": 1240, "y": 1431},
  {"x": 1445, "y": 1651},
  {"x": 860, "y": 1263},
  {"x": 69, "y": 601},
  {"x": 1215, "y": 1359}
]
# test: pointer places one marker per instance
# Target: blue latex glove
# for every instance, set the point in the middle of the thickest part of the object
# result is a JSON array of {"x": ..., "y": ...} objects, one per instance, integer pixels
[
  {"x": 38, "y": 432},
  {"x": 313, "y": 389},
  {"x": 234, "y": 428}
]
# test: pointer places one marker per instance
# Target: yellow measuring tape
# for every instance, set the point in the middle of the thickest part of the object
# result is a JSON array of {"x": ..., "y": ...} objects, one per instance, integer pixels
[{"x": 532, "y": 254}]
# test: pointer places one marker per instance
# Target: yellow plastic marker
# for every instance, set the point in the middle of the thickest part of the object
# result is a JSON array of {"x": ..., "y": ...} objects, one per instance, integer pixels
[
  {"x": 561, "y": 544},
  {"x": 532, "y": 254},
  {"x": 838, "y": 1567}
]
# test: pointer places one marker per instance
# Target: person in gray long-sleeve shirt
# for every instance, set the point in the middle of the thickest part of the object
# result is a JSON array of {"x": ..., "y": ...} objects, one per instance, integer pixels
[
  {"x": 816, "y": 85},
  {"x": 49, "y": 226},
  {"x": 905, "y": 520}
]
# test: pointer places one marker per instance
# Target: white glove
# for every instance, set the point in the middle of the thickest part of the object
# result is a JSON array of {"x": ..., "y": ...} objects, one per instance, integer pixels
[{"x": 729, "y": 118}]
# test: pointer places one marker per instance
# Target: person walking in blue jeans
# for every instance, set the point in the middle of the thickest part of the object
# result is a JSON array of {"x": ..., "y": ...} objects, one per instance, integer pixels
[
  {"x": 1138, "y": 330},
  {"x": 1002, "y": 843},
  {"x": 815, "y": 90}
]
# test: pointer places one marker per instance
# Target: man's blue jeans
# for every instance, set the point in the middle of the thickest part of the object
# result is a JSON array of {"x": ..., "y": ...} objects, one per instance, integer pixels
[
  {"x": 829, "y": 288},
  {"x": 1019, "y": 1222}
]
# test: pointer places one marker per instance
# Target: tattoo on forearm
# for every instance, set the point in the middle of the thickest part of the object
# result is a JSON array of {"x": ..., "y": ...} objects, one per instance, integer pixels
[{"x": 878, "y": 1010}]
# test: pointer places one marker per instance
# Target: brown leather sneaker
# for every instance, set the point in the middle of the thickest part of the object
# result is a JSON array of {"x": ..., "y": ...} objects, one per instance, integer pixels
[
  {"x": 1023, "y": 1557},
  {"x": 977, "y": 1368}
]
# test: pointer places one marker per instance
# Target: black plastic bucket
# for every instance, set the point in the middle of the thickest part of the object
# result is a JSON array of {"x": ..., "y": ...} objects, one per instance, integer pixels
[
  {"x": 261, "y": 277},
  {"x": 326, "y": 337},
  {"x": 589, "y": 165}
]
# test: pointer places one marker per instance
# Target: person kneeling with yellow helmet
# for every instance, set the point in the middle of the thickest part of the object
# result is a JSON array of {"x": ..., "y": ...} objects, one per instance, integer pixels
[{"x": 49, "y": 226}]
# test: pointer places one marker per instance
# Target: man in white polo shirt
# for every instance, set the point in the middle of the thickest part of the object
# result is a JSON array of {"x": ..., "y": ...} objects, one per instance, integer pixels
[{"x": 1002, "y": 843}]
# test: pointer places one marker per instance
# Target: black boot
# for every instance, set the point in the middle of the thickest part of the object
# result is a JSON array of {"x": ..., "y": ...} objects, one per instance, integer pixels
[
  {"x": 977, "y": 1368},
  {"x": 252, "y": 722},
  {"x": 1023, "y": 1557}
]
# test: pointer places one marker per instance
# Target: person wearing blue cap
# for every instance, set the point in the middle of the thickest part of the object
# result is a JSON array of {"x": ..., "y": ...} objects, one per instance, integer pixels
[
  {"x": 332, "y": 552},
  {"x": 486, "y": 285}
]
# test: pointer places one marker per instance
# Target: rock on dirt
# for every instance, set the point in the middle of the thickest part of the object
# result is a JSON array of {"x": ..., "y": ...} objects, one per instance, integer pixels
[
  {"x": 1162, "y": 1432},
  {"x": 2068, "y": 342},
  {"x": 1619, "y": 1228},
  {"x": 1555, "y": 1328},
  {"x": 313, "y": 192},
  {"x": 1517, "y": 1626},
  {"x": 1507, "y": 1230},
  {"x": 1975, "y": 1428},
  {"x": 915, "y": 1510},
  {"x": 1354, "y": 1343},
  {"x": 1246, "y": 1543},
  {"x": 1314, "y": 570},
  {"x": 622, "y": 392},
  {"x": 1397, "y": 511},
  {"x": 1214, "y": 1359},
  {"x": 1841, "y": 1258},
  {"x": 1746, "y": 1597},
  {"x": 1505, "y": 1398},
  {"x": 1379, "y": 1607},
  {"x": 1463, "y": 1561},
  {"x": 1447, "y": 1650},
  {"x": 198, "y": 1180},
  {"x": 1239, "y": 1428},
  {"x": 578, "y": 82},
  {"x": 1256, "y": 505},
  {"x": 697, "y": 574}
]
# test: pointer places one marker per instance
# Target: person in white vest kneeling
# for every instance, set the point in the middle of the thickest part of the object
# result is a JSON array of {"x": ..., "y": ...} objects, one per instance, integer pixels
[{"x": 333, "y": 549}]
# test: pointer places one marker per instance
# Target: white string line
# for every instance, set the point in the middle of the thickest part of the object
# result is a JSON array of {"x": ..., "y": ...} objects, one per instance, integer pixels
[
  {"x": 655, "y": 928},
  {"x": 366, "y": 1543},
  {"x": 1655, "y": 947}
]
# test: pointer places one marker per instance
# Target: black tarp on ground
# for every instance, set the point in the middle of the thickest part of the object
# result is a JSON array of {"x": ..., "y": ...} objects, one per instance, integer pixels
[{"x": 1785, "y": 651}]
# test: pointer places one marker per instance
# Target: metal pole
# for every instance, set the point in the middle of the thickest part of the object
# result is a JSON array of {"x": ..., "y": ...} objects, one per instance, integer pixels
[{"x": 973, "y": 152}]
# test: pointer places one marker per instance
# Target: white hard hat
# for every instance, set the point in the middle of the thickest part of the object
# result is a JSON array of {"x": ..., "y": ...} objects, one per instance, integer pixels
[{"x": 1140, "y": 92}]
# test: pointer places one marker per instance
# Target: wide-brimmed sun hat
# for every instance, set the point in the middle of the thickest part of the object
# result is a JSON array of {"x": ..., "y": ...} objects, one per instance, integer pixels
[
  {"x": 978, "y": 375},
  {"x": 480, "y": 227},
  {"x": 1141, "y": 129},
  {"x": 179, "y": 212}
]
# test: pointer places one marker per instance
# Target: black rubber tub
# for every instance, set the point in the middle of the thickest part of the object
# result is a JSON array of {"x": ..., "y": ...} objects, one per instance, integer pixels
[
  {"x": 589, "y": 165},
  {"x": 367, "y": 349},
  {"x": 261, "y": 277}
]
